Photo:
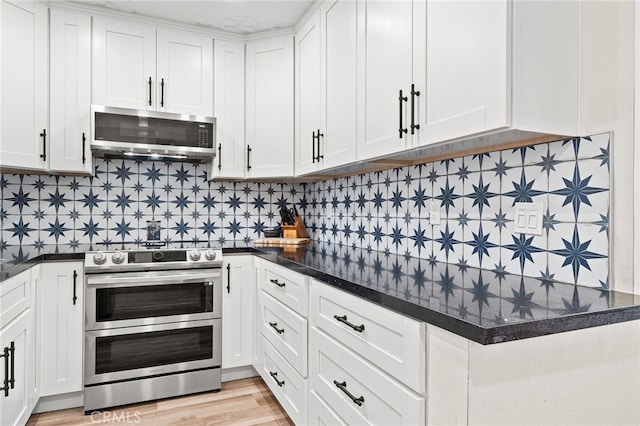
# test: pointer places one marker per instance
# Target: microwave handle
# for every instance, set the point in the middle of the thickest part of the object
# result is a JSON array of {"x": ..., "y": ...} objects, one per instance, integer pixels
[{"x": 125, "y": 280}]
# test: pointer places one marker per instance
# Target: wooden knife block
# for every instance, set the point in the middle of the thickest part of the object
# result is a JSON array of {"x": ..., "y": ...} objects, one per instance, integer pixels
[{"x": 297, "y": 230}]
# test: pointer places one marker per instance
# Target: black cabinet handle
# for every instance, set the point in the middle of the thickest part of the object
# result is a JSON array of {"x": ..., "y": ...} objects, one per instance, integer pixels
[
  {"x": 343, "y": 319},
  {"x": 401, "y": 99},
  {"x": 75, "y": 278},
  {"x": 274, "y": 325},
  {"x": 248, "y": 157},
  {"x": 320, "y": 135},
  {"x": 414, "y": 93},
  {"x": 279, "y": 284},
  {"x": 5, "y": 386},
  {"x": 162, "y": 92},
  {"x": 149, "y": 91},
  {"x": 228, "y": 278},
  {"x": 275, "y": 377},
  {"x": 343, "y": 387},
  {"x": 12, "y": 350},
  {"x": 313, "y": 146},
  {"x": 44, "y": 145},
  {"x": 84, "y": 148},
  {"x": 219, "y": 156}
]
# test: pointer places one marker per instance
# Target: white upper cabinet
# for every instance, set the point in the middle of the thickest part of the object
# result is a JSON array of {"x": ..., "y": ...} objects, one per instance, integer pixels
[
  {"x": 124, "y": 64},
  {"x": 390, "y": 60},
  {"x": 269, "y": 107},
  {"x": 308, "y": 95},
  {"x": 185, "y": 73},
  {"x": 338, "y": 82},
  {"x": 23, "y": 82},
  {"x": 134, "y": 69},
  {"x": 70, "y": 91},
  {"x": 326, "y": 75},
  {"x": 228, "y": 97},
  {"x": 466, "y": 74}
]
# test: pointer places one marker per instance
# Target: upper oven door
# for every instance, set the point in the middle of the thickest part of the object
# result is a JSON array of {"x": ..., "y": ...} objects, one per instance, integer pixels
[{"x": 155, "y": 297}]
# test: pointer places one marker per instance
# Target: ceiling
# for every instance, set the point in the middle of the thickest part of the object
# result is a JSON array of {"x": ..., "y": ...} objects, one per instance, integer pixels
[{"x": 236, "y": 16}]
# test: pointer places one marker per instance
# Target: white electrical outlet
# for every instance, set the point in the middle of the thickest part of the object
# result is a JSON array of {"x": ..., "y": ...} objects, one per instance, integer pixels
[
  {"x": 527, "y": 218},
  {"x": 434, "y": 213}
]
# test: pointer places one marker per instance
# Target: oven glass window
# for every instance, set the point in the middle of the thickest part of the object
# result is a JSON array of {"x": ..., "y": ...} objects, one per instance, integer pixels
[
  {"x": 122, "y": 303},
  {"x": 152, "y": 349}
]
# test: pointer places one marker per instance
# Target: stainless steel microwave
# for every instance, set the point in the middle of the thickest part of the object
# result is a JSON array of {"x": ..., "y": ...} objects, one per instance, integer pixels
[{"x": 122, "y": 132}]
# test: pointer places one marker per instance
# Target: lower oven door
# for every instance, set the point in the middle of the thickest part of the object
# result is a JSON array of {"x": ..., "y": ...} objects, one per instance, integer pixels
[
  {"x": 151, "y": 350},
  {"x": 128, "y": 299}
]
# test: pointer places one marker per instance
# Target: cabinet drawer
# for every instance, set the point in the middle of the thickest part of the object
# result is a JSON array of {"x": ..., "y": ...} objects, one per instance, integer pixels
[
  {"x": 288, "y": 387},
  {"x": 15, "y": 296},
  {"x": 286, "y": 331},
  {"x": 320, "y": 413},
  {"x": 286, "y": 286},
  {"x": 391, "y": 341},
  {"x": 356, "y": 390}
]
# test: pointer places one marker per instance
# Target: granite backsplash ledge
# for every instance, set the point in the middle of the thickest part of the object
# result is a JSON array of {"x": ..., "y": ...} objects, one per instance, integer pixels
[{"x": 383, "y": 211}]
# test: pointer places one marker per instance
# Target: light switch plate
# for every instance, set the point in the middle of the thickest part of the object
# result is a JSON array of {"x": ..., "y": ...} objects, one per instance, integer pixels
[{"x": 528, "y": 218}]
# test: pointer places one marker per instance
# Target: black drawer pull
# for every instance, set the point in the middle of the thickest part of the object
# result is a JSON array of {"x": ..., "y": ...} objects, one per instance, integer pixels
[
  {"x": 228, "y": 278},
  {"x": 274, "y": 325},
  {"x": 275, "y": 377},
  {"x": 43, "y": 135},
  {"x": 75, "y": 278},
  {"x": 84, "y": 151},
  {"x": 414, "y": 93},
  {"x": 5, "y": 386},
  {"x": 401, "y": 99},
  {"x": 219, "y": 156},
  {"x": 279, "y": 284},
  {"x": 162, "y": 92},
  {"x": 149, "y": 91},
  {"x": 12, "y": 349},
  {"x": 343, "y": 387},
  {"x": 343, "y": 319}
]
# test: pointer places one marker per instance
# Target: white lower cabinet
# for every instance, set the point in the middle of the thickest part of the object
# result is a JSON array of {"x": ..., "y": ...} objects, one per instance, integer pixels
[
  {"x": 289, "y": 388},
  {"x": 286, "y": 331},
  {"x": 282, "y": 342},
  {"x": 238, "y": 307},
  {"x": 358, "y": 391},
  {"x": 18, "y": 369},
  {"x": 61, "y": 327}
]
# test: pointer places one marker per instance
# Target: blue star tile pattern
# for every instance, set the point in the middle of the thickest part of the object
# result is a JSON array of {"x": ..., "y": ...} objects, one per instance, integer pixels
[{"x": 384, "y": 213}]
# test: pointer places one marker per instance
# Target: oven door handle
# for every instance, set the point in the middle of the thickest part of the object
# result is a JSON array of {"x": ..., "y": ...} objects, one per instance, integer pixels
[{"x": 120, "y": 280}]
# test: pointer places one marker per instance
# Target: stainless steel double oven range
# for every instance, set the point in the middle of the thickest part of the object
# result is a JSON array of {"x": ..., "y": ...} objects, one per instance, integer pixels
[{"x": 152, "y": 325}]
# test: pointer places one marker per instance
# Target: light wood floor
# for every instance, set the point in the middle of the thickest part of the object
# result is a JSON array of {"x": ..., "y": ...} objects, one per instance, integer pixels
[{"x": 241, "y": 402}]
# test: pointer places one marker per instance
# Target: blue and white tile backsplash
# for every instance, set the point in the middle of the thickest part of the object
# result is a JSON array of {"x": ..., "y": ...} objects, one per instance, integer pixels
[{"x": 385, "y": 211}]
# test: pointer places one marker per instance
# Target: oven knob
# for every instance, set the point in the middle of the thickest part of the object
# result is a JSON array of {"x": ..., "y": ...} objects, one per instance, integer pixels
[
  {"x": 117, "y": 257},
  {"x": 194, "y": 255},
  {"x": 99, "y": 258},
  {"x": 210, "y": 254}
]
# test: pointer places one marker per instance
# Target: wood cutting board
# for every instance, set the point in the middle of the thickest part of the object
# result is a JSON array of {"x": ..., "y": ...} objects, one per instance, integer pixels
[{"x": 281, "y": 241}]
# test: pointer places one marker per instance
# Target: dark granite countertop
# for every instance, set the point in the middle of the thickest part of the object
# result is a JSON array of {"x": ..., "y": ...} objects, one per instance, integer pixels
[{"x": 482, "y": 305}]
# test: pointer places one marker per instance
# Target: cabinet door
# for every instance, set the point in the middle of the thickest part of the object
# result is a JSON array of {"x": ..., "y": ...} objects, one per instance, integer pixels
[
  {"x": 385, "y": 53},
  {"x": 18, "y": 337},
  {"x": 23, "y": 82},
  {"x": 338, "y": 79},
  {"x": 124, "y": 64},
  {"x": 466, "y": 69},
  {"x": 308, "y": 92},
  {"x": 229, "y": 108},
  {"x": 269, "y": 119},
  {"x": 184, "y": 73},
  {"x": 238, "y": 310},
  {"x": 70, "y": 91},
  {"x": 61, "y": 316}
]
